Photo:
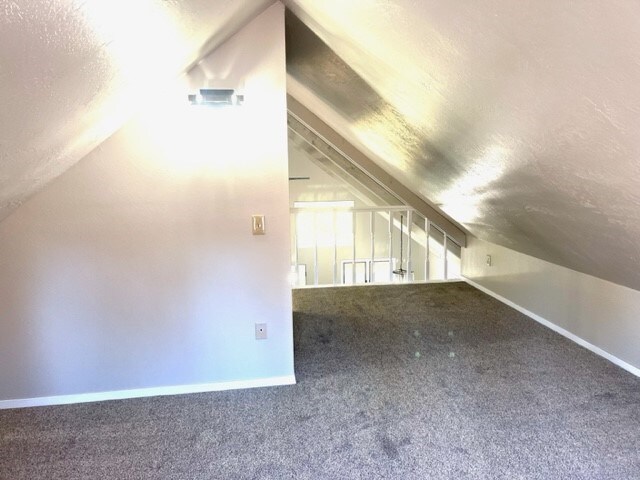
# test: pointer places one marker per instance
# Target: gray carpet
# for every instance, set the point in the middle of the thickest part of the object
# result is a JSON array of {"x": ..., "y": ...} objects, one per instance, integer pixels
[{"x": 397, "y": 382}]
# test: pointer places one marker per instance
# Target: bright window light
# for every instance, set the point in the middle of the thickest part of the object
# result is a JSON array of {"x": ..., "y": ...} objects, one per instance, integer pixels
[
  {"x": 332, "y": 204},
  {"x": 324, "y": 228}
]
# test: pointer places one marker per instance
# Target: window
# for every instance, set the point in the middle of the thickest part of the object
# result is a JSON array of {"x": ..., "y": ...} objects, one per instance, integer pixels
[{"x": 326, "y": 226}]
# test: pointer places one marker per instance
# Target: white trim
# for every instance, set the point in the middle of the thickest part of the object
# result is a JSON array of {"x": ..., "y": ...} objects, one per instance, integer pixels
[
  {"x": 378, "y": 284},
  {"x": 147, "y": 392},
  {"x": 565, "y": 333}
]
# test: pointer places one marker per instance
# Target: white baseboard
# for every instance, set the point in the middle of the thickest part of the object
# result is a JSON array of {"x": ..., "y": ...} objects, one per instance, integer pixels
[
  {"x": 147, "y": 392},
  {"x": 377, "y": 284},
  {"x": 565, "y": 333}
]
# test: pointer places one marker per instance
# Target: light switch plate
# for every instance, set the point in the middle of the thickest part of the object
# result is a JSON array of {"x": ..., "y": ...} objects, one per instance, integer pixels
[{"x": 257, "y": 222}]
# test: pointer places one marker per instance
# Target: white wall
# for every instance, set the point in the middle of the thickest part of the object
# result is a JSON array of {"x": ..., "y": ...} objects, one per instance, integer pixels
[
  {"x": 601, "y": 313},
  {"x": 137, "y": 268}
]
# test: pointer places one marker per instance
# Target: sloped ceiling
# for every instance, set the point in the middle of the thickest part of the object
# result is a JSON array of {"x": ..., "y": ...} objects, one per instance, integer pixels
[
  {"x": 72, "y": 71},
  {"x": 520, "y": 120}
]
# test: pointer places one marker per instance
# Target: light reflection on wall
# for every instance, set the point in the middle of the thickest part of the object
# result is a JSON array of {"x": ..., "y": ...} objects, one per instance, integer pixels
[
  {"x": 377, "y": 131},
  {"x": 195, "y": 140},
  {"x": 143, "y": 29},
  {"x": 145, "y": 46},
  {"x": 462, "y": 199}
]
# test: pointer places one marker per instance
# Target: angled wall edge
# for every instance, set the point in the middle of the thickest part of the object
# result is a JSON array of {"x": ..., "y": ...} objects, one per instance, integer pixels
[{"x": 565, "y": 333}]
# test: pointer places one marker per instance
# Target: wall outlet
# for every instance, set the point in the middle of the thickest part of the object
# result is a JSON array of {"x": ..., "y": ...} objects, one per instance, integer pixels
[
  {"x": 488, "y": 260},
  {"x": 261, "y": 331}
]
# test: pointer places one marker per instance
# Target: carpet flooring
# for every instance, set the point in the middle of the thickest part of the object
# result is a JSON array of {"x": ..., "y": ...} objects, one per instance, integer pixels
[{"x": 396, "y": 382}]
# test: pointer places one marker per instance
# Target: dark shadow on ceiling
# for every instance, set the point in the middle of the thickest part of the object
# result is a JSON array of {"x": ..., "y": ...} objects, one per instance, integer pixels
[{"x": 313, "y": 64}]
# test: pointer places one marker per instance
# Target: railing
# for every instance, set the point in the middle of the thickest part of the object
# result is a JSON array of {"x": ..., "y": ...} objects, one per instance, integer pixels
[{"x": 336, "y": 246}]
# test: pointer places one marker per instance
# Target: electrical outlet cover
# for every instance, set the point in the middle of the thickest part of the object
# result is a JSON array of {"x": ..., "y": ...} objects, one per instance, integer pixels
[{"x": 261, "y": 331}]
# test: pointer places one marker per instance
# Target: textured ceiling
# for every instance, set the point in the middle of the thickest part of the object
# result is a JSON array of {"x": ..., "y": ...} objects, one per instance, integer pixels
[
  {"x": 71, "y": 72},
  {"x": 520, "y": 120}
]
